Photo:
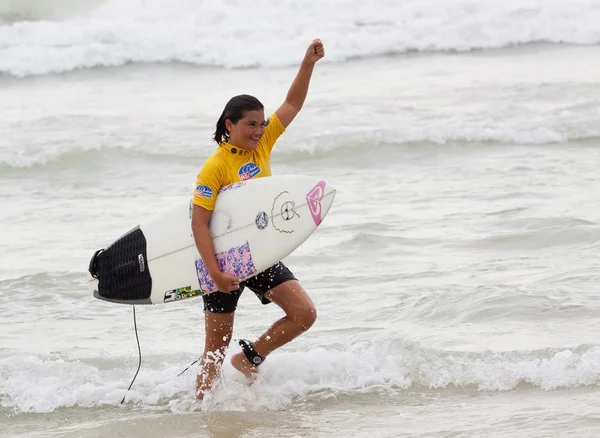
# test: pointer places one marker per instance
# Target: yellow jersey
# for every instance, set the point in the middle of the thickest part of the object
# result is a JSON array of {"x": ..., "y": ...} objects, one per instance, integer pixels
[{"x": 229, "y": 165}]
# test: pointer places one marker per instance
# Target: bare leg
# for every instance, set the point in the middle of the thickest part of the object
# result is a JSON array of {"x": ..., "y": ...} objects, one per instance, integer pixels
[
  {"x": 300, "y": 315},
  {"x": 218, "y": 330}
]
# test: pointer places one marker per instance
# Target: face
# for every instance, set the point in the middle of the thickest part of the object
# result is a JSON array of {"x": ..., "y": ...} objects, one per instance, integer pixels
[{"x": 246, "y": 133}]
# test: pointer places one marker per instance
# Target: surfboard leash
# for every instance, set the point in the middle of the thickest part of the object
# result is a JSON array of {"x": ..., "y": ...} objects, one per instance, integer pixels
[
  {"x": 140, "y": 356},
  {"x": 139, "y": 352},
  {"x": 189, "y": 366}
]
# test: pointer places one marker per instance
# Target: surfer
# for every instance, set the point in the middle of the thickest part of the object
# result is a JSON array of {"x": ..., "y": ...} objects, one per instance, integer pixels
[{"x": 245, "y": 142}]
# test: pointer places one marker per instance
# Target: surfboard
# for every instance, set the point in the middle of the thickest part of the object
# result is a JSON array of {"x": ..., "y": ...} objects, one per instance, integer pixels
[{"x": 255, "y": 224}]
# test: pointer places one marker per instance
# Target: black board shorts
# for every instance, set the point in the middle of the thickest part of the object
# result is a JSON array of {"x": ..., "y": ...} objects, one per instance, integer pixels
[{"x": 220, "y": 302}]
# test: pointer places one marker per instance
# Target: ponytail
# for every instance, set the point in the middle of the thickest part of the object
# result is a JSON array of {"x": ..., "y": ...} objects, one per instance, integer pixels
[{"x": 221, "y": 133}]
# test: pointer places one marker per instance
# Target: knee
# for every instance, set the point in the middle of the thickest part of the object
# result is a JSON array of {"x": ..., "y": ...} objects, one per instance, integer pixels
[{"x": 305, "y": 317}]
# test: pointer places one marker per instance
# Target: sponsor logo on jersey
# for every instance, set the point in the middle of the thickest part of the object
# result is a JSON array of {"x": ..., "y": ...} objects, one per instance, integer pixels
[
  {"x": 204, "y": 192},
  {"x": 247, "y": 171}
]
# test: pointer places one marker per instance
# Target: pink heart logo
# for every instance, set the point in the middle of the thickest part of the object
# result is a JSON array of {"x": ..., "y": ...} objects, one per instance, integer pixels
[{"x": 314, "y": 198}]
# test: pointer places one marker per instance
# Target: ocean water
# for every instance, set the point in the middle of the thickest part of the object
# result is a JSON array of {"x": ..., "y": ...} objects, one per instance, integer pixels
[{"x": 456, "y": 276}]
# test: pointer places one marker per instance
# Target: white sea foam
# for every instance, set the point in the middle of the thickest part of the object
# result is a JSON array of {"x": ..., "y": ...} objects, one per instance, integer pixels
[
  {"x": 266, "y": 34},
  {"x": 34, "y": 384}
]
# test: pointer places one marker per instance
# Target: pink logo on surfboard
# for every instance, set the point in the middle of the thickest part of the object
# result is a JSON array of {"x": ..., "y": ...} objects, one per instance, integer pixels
[{"x": 314, "y": 198}]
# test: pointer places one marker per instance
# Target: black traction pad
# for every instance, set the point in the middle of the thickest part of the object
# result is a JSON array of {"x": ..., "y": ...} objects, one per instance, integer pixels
[{"x": 122, "y": 270}]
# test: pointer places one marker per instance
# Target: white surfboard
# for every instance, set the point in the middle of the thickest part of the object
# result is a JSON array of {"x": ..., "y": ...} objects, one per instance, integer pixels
[{"x": 255, "y": 224}]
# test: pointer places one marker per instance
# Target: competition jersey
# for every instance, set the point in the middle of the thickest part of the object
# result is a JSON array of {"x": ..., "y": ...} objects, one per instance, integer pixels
[{"x": 229, "y": 165}]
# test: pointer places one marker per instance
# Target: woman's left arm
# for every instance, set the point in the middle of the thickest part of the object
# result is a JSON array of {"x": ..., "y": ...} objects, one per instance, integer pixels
[{"x": 297, "y": 92}]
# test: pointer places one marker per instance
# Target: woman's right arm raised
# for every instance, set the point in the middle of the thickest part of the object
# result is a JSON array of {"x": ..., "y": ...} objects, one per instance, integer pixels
[{"x": 200, "y": 220}]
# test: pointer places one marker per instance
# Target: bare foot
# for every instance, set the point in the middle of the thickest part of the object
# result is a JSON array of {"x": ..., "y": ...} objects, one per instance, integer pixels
[{"x": 241, "y": 363}]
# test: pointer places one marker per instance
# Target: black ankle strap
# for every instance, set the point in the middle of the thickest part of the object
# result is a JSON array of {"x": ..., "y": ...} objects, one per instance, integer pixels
[{"x": 251, "y": 354}]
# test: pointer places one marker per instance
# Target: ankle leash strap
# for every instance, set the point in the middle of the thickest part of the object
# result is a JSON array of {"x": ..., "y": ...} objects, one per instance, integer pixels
[{"x": 251, "y": 354}]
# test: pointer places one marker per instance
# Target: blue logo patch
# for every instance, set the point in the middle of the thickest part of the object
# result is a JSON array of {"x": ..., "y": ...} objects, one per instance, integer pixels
[
  {"x": 204, "y": 192},
  {"x": 247, "y": 171}
]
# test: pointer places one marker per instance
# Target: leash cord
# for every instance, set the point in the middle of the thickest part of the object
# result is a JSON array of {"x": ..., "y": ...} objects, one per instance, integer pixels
[{"x": 139, "y": 352}]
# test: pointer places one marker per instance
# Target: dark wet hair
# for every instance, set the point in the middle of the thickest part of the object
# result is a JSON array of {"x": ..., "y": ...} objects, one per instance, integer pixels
[{"x": 235, "y": 110}]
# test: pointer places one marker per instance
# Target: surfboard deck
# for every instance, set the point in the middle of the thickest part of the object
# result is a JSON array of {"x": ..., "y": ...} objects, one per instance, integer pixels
[{"x": 255, "y": 224}]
